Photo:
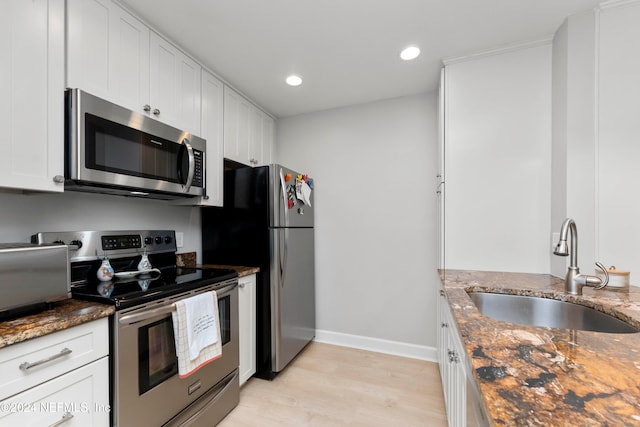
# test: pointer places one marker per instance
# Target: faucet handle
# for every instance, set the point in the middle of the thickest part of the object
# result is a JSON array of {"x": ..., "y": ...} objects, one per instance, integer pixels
[{"x": 606, "y": 275}]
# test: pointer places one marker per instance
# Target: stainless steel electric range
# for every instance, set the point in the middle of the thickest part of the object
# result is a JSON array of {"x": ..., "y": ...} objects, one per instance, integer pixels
[{"x": 146, "y": 282}]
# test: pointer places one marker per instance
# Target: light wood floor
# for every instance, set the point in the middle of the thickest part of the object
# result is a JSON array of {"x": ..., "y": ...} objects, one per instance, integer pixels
[{"x": 327, "y": 385}]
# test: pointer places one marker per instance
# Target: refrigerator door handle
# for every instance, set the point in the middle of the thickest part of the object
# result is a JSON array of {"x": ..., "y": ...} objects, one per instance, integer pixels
[
  {"x": 283, "y": 260},
  {"x": 285, "y": 199}
]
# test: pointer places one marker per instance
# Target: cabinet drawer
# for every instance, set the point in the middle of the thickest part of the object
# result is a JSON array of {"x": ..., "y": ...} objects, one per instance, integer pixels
[
  {"x": 80, "y": 397},
  {"x": 59, "y": 353}
]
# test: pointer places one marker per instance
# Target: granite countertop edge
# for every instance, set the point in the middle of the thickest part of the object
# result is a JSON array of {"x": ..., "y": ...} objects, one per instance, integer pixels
[
  {"x": 62, "y": 315},
  {"x": 530, "y": 376},
  {"x": 242, "y": 270}
]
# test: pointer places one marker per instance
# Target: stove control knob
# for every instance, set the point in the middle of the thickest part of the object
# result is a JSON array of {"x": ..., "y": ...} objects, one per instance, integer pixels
[
  {"x": 168, "y": 239},
  {"x": 148, "y": 240},
  {"x": 158, "y": 240}
]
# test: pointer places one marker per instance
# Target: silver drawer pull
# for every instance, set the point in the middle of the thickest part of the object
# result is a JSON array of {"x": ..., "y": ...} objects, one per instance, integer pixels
[
  {"x": 26, "y": 365},
  {"x": 66, "y": 417}
]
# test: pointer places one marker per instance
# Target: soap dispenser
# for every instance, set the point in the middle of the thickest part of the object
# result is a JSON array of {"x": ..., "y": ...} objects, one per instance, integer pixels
[{"x": 105, "y": 271}]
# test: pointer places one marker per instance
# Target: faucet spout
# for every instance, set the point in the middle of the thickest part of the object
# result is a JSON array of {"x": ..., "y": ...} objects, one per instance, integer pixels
[{"x": 574, "y": 281}]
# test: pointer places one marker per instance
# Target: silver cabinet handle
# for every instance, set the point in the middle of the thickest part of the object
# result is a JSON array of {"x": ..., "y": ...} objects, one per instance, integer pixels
[
  {"x": 241, "y": 285},
  {"x": 58, "y": 179},
  {"x": 147, "y": 108},
  {"x": 26, "y": 365},
  {"x": 156, "y": 112},
  {"x": 66, "y": 417}
]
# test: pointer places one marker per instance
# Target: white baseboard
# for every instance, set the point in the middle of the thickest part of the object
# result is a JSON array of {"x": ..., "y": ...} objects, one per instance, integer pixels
[{"x": 395, "y": 348}]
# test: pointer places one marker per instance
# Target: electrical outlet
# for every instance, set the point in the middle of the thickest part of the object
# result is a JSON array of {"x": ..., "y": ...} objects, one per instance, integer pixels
[
  {"x": 555, "y": 238},
  {"x": 179, "y": 239}
]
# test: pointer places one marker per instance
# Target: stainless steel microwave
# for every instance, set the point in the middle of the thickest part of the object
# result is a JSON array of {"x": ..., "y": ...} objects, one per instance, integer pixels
[{"x": 110, "y": 149}]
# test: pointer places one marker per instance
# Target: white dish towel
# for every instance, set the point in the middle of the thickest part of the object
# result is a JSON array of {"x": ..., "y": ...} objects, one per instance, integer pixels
[{"x": 196, "y": 327}]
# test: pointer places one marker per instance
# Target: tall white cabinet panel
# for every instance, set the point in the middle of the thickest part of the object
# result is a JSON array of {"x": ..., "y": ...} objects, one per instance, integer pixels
[
  {"x": 497, "y": 151},
  {"x": 247, "y": 326},
  {"x": 31, "y": 94},
  {"x": 108, "y": 53},
  {"x": 175, "y": 86},
  {"x": 618, "y": 151}
]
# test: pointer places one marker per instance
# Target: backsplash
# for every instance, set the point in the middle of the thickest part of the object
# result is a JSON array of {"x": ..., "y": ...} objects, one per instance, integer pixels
[{"x": 22, "y": 215}]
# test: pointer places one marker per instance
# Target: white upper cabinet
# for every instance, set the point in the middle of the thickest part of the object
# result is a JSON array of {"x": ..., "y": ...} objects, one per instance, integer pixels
[
  {"x": 248, "y": 131},
  {"x": 31, "y": 95},
  {"x": 236, "y": 126},
  {"x": 175, "y": 86},
  {"x": 113, "y": 55},
  {"x": 107, "y": 53},
  {"x": 212, "y": 131}
]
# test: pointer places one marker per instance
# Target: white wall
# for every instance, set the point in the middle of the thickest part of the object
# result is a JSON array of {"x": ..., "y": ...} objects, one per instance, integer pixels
[
  {"x": 22, "y": 215},
  {"x": 373, "y": 167},
  {"x": 498, "y": 161}
]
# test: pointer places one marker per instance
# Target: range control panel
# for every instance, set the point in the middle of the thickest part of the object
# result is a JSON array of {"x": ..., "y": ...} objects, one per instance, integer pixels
[{"x": 88, "y": 245}]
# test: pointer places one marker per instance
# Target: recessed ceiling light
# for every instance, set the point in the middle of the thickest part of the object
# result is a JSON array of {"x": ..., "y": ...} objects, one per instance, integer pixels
[
  {"x": 294, "y": 81},
  {"x": 409, "y": 53}
]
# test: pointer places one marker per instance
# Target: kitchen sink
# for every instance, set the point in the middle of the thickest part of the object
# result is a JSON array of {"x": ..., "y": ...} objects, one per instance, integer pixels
[{"x": 551, "y": 313}]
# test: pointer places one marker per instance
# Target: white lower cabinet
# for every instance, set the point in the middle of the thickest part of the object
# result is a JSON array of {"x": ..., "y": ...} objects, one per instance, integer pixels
[
  {"x": 247, "y": 320},
  {"x": 57, "y": 379},
  {"x": 78, "y": 398},
  {"x": 452, "y": 360}
]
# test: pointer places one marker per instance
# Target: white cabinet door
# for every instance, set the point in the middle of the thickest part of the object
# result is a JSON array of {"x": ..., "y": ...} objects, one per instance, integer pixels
[
  {"x": 212, "y": 131},
  {"x": 31, "y": 95},
  {"x": 452, "y": 360},
  {"x": 175, "y": 86},
  {"x": 267, "y": 129},
  {"x": 248, "y": 131},
  {"x": 108, "y": 53},
  {"x": 247, "y": 320},
  {"x": 255, "y": 137},
  {"x": 236, "y": 126},
  {"x": 79, "y": 398}
]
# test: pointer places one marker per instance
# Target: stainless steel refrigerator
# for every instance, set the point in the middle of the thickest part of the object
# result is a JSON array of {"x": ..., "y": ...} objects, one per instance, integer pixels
[{"x": 267, "y": 221}]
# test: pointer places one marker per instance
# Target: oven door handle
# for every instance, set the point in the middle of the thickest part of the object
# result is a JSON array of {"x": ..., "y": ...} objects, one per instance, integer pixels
[{"x": 128, "y": 319}]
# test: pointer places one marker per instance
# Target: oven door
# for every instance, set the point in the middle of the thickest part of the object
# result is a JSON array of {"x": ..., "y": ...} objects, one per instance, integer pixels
[
  {"x": 112, "y": 146},
  {"x": 147, "y": 390}
]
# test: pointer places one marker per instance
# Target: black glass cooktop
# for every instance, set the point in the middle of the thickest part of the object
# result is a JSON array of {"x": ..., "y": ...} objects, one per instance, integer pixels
[{"x": 131, "y": 291}]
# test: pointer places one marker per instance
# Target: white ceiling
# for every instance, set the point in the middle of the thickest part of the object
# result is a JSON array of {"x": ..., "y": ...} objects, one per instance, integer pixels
[{"x": 346, "y": 51}]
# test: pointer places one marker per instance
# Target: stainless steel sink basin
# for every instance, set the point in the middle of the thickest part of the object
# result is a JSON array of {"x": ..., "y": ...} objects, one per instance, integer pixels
[{"x": 551, "y": 313}]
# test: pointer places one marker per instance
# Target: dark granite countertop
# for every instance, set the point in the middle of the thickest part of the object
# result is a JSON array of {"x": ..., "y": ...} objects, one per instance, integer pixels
[
  {"x": 242, "y": 270},
  {"x": 189, "y": 259},
  {"x": 62, "y": 315},
  {"x": 536, "y": 376}
]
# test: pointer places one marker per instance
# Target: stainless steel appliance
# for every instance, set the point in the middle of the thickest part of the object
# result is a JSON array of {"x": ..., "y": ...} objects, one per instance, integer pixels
[
  {"x": 110, "y": 149},
  {"x": 145, "y": 389},
  {"x": 32, "y": 275},
  {"x": 266, "y": 223}
]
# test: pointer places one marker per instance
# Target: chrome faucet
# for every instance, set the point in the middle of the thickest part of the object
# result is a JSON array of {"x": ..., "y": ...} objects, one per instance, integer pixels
[{"x": 574, "y": 281}]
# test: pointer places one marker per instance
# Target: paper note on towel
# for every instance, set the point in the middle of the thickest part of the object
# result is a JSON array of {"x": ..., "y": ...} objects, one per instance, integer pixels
[{"x": 201, "y": 325}]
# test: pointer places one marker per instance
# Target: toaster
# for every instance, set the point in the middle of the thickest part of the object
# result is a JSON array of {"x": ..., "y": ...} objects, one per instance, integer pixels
[{"x": 32, "y": 275}]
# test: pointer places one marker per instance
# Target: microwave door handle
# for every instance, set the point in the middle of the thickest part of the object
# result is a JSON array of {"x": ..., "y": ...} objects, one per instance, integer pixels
[{"x": 192, "y": 163}]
